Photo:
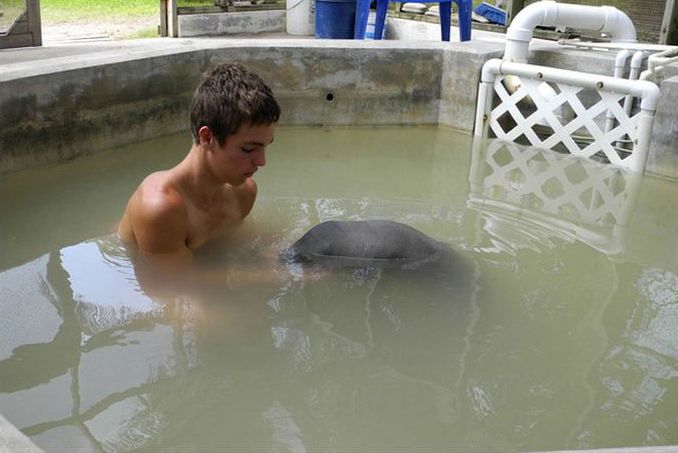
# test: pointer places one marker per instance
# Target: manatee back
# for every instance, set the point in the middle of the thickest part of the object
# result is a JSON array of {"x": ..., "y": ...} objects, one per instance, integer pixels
[{"x": 380, "y": 243}]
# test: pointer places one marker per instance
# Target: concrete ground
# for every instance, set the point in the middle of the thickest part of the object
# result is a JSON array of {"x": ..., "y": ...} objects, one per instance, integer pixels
[
  {"x": 57, "y": 31},
  {"x": 71, "y": 40}
]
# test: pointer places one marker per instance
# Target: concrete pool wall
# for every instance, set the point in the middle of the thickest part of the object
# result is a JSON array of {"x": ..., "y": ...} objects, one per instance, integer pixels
[{"x": 63, "y": 102}]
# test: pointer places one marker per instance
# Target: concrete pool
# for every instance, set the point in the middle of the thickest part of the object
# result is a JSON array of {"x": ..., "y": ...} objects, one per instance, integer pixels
[
  {"x": 83, "y": 102},
  {"x": 83, "y": 98}
]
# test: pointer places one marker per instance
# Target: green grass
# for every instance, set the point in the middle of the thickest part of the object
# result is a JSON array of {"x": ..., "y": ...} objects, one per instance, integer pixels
[
  {"x": 196, "y": 3},
  {"x": 83, "y": 10},
  {"x": 144, "y": 33},
  {"x": 79, "y": 10}
]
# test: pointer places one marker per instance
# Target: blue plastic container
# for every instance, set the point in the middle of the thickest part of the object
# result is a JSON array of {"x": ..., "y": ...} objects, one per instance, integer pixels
[
  {"x": 334, "y": 19},
  {"x": 491, "y": 13},
  {"x": 371, "y": 21}
]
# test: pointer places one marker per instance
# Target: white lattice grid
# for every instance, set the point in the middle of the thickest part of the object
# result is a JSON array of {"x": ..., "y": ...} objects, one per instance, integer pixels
[
  {"x": 584, "y": 198},
  {"x": 566, "y": 110}
]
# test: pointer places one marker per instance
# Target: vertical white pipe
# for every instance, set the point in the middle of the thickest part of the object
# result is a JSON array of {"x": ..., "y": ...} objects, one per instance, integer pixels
[
  {"x": 642, "y": 145},
  {"x": 483, "y": 110},
  {"x": 636, "y": 63},
  {"x": 485, "y": 95},
  {"x": 634, "y": 72},
  {"x": 619, "y": 66}
]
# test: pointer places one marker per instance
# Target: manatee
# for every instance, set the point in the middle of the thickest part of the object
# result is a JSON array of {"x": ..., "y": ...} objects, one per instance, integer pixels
[{"x": 367, "y": 243}]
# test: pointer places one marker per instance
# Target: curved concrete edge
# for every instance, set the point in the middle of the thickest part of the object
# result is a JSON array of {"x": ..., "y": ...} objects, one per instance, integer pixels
[
  {"x": 59, "y": 58},
  {"x": 14, "y": 441},
  {"x": 68, "y": 105}
]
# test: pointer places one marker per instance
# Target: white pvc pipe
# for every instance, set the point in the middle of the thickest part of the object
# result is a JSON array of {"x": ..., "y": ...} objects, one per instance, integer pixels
[
  {"x": 656, "y": 62},
  {"x": 619, "y": 66},
  {"x": 634, "y": 73},
  {"x": 549, "y": 13},
  {"x": 620, "y": 62},
  {"x": 615, "y": 45},
  {"x": 636, "y": 63}
]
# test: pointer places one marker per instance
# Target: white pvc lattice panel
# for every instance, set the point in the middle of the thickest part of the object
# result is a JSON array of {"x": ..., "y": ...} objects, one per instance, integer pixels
[
  {"x": 579, "y": 113},
  {"x": 576, "y": 196}
]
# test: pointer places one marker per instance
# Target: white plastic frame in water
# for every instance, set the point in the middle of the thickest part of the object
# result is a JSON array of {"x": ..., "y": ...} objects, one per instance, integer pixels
[
  {"x": 578, "y": 198},
  {"x": 555, "y": 108}
]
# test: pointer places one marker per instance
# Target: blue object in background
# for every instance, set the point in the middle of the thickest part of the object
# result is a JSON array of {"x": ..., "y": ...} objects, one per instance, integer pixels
[
  {"x": 465, "y": 8},
  {"x": 335, "y": 19},
  {"x": 491, "y": 13},
  {"x": 369, "y": 31}
]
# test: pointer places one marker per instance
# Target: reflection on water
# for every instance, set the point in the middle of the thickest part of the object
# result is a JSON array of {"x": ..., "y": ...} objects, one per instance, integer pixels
[
  {"x": 550, "y": 332},
  {"x": 562, "y": 193},
  {"x": 146, "y": 367},
  {"x": 113, "y": 298}
]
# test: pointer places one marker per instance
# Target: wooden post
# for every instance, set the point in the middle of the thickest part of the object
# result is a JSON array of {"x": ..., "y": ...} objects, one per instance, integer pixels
[
  {"x": 34, "y": 25},
  {"x": 669, "y": 31},
  {"x": 26, "y": 30},
  {"x": 513, "y": 7},
  {"x": 172, "y": 19},
  {"x": 162, "y": 28}
]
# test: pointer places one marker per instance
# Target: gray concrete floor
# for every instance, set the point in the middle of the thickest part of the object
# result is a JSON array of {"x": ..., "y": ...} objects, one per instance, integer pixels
[{"x": 84, "y": 45}]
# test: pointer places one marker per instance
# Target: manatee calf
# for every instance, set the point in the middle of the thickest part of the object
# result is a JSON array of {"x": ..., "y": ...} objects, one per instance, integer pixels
[{"x": 379, "y": 243}]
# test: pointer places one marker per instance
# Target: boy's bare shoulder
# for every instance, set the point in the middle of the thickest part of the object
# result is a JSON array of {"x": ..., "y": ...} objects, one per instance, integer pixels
[
  {"x": 158, "y": 198},
  {"x": 156, "y": 212},
  {"x": 157, "y": 216}
]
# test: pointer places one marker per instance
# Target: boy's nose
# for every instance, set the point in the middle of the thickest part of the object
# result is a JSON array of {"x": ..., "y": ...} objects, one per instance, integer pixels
[{"x": 260, "y": 159}]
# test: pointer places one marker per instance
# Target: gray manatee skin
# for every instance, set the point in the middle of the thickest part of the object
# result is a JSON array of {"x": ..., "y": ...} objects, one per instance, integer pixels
[{"x": 378, "y": 243}]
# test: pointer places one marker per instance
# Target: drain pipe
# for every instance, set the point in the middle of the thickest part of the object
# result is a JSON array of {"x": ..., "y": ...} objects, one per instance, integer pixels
[{"x": 549, "y": 13}]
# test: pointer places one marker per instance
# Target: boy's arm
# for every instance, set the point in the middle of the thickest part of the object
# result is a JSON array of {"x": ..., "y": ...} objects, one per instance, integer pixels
[{"x": 160, "y": 227}]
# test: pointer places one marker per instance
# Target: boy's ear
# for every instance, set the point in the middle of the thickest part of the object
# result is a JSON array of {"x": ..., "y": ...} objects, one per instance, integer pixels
[{"x": 205, "y": 135}]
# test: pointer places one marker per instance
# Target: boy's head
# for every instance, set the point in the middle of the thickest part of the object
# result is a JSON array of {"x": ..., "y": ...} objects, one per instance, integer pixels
[{"x": 228, "y": 97}]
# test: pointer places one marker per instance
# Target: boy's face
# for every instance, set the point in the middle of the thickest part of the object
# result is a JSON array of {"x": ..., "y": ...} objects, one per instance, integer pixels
[{"x": 242, "y": 153}]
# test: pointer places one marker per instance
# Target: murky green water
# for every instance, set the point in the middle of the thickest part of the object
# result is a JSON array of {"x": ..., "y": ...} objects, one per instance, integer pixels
[{"x": 563, "y": 335}]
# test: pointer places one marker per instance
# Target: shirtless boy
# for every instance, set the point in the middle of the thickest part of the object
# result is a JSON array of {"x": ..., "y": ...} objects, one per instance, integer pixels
[{"x": 173, "y": 212}]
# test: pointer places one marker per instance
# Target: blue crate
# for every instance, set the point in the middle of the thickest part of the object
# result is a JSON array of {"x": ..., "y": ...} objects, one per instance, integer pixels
[{"x": 491, "y": 13}]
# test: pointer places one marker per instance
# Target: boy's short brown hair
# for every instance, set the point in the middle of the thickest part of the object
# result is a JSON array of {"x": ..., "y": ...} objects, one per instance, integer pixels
[{"x": 228, "y": 97}]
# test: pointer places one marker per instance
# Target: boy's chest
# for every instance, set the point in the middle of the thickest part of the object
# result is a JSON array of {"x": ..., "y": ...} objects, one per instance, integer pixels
[{"x": 208, "y": 222}]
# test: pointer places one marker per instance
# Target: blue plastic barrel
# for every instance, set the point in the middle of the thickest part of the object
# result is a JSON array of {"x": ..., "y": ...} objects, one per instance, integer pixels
[{"x": 334, "y": 19}]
